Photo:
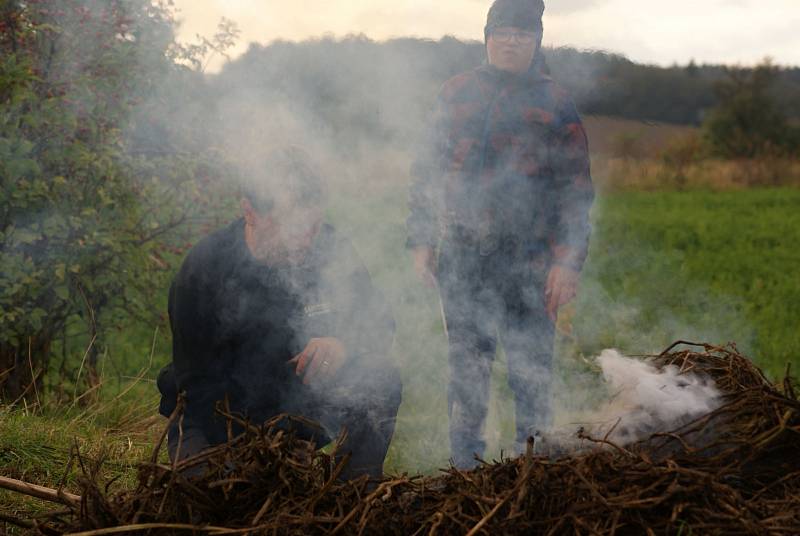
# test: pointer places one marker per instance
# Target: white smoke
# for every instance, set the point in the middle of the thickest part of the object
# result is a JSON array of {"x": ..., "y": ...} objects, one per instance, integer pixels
[{"x": 643, "y": 400}]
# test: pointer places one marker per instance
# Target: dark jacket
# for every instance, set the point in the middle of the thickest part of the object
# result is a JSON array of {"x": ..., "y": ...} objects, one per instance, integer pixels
[
  {"x": 506, "y": 157},
  {"x": 236, "y": 322}
]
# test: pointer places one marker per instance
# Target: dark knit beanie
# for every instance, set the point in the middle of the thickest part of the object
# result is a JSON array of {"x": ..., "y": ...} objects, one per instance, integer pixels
[{"x": 523, "y": 14}]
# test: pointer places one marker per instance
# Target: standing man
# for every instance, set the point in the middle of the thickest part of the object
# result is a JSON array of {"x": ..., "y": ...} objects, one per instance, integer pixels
[
  {"x": 277, "y": 314},
  {"x": 502, "y": 191}
]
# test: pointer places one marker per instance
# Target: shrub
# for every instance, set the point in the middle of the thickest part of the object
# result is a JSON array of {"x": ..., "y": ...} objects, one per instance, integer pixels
[
  {"x": 85, "y": 220},
  {"x": 748, "y": 123}
]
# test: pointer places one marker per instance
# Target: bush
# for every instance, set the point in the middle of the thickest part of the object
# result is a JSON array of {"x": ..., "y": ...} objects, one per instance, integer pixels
[
  {"x": 85, "y": 220},
  {"x": 680, "y": 155},
  {"x": 748, "y": 123}
]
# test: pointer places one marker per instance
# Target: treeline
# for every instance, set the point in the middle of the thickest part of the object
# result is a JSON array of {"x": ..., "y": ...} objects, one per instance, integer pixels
[{"x": 394, "y": 82}]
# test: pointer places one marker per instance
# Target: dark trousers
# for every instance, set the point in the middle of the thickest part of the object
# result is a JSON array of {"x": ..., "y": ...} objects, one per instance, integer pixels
[
  {"x": 363, "y": 402},
  {"x": 488, "y": 298}
]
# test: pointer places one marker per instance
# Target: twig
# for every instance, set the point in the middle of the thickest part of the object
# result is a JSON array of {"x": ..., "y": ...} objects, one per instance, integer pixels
[
  {"x": 34, "y": 376},
  {"x": 40, "y": 492},
  {"x": 491, "y": 514},
  {"x": 527, "y": 467},
  {"x": 148, "y": 526},
  {"x": 80, "y": 370}
]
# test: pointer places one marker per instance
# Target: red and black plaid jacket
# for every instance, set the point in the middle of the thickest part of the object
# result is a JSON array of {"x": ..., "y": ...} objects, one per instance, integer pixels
[{"x": 507, "y": 155}]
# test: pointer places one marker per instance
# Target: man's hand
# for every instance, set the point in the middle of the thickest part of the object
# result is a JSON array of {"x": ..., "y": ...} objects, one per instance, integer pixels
[
  {"x": 423, "y": 265},
  {"x": 321, "y": 359},
  {"x": 561, "y": 288}
]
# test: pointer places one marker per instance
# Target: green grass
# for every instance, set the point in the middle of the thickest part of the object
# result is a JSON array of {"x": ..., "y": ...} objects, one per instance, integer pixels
[
  {"x": 699, "y": 266},
  {"x": 38, "y": 448},
  {"x": 116, "y": 423},
  {"x": 713, "y": 267},
  {"x": 702, "y": 266}
]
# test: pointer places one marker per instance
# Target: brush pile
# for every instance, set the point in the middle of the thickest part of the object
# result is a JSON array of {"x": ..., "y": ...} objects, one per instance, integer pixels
[{"x": 733, "y": 471}]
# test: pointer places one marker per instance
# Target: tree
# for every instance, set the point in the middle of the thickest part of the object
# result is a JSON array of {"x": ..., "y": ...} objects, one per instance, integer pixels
[
  {"x": 748, "y": 122},
  {"x": 85, "y": 220}
]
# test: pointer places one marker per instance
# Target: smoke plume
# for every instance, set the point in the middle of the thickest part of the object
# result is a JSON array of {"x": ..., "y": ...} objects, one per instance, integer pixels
[{"x": 642, "y": 400}]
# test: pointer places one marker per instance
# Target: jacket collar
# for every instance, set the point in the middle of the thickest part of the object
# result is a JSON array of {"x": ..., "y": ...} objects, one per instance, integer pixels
[{"x": 505, "y": 78}]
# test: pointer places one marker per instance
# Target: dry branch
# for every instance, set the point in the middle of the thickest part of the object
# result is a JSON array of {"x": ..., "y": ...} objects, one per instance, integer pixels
[
  {"x": 40, "y": 492},
  {"x": 733, "y": 471}
]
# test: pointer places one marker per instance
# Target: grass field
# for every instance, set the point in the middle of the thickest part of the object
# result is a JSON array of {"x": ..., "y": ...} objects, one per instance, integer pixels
[
  {"x": 703, "y": 266},
  {"x": 713, "y": 266},
  {"x": 695, "y": 265}
]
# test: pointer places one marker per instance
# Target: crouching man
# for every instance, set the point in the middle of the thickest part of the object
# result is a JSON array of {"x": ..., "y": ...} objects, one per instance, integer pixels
[{"x": 277, "y": 314}]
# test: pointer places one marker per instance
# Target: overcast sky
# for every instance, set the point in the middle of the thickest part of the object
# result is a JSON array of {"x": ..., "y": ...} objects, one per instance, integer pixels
[{"x": 650, "y": 31}]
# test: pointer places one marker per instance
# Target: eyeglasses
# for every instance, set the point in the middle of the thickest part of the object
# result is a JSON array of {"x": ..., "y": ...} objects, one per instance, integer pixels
[{"x": 504, "y": 36}]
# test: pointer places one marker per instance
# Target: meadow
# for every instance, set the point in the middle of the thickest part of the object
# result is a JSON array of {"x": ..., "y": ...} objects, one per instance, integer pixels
[
  {"x": 118, "y": 152},
  {"x": 697, "y": 264}
]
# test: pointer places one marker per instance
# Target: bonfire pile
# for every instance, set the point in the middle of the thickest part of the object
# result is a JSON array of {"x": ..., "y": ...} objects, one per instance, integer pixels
[{"x": 734, "y": 471}]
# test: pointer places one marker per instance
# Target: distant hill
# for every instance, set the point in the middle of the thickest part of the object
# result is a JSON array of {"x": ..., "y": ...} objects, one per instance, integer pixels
[{"x": 355, "y": 88}]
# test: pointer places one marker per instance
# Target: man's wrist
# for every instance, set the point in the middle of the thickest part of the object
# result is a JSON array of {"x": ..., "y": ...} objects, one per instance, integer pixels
[
  {"x": 568, "y": 265},
  {"x": 568, "y": 257}
]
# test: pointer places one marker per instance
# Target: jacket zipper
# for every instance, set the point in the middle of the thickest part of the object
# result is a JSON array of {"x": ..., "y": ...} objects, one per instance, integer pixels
[{"x": 485, "y": 139}]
